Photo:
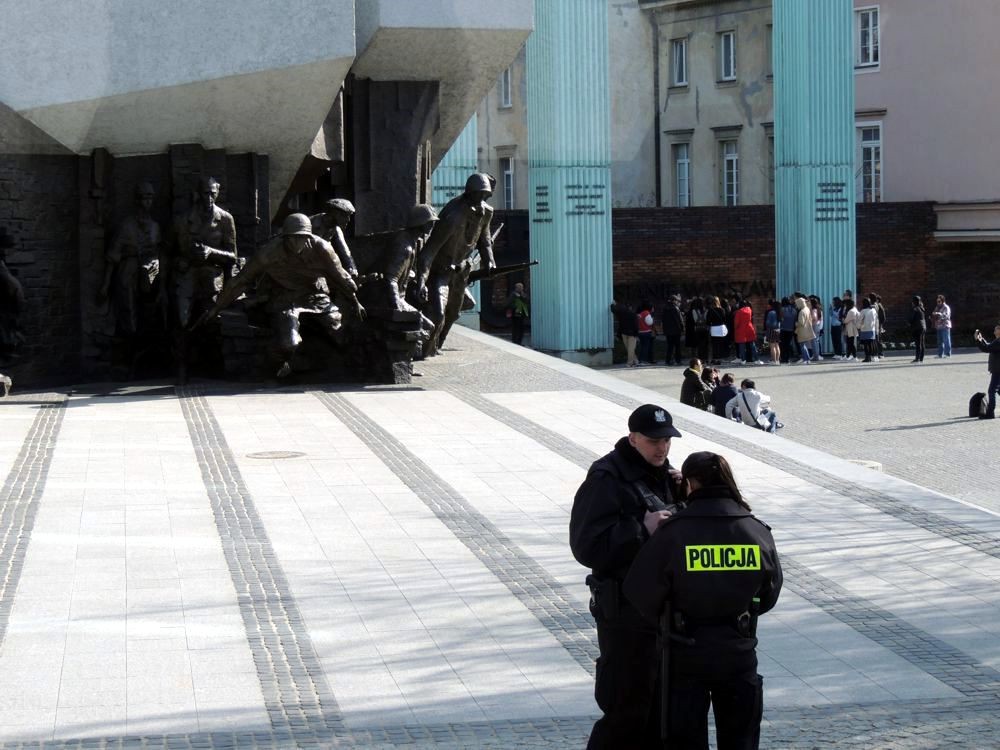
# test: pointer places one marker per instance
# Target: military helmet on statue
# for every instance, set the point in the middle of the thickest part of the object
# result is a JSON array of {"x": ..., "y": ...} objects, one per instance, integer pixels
[
  {"x": 419, "y": 215},
  {"x": 296, "y": 224},
  {"x": 479, "y": 182}
]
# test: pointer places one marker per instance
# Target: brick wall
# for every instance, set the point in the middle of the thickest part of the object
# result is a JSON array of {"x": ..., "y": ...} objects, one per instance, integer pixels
[
  {"x": 38, "y": 206},
  {"x": 714, "y": 250}
]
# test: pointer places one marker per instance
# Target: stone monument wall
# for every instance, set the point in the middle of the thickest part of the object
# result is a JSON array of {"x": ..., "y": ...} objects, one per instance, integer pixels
[
  {"x": 38, "y": 206},
  {"x": 63, "y": 211}
]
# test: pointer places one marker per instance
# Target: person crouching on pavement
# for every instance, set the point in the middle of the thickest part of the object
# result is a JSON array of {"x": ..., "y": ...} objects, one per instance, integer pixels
[
  {"x": 619, "y": 507},
  {"x": 750, "y": 407},
  {"x": 694, "y": 390},
  {"x": 716, "y": 566}
]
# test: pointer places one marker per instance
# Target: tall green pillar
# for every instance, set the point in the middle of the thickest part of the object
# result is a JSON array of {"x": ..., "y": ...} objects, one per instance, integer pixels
[
  {"x": 814, "y": 147},
  {"x": 448, "y": 181},
  {"x": 569, "y": 160}
]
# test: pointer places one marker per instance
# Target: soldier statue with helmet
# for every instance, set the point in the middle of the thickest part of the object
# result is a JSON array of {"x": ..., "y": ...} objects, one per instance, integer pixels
[
  {"x": 403, "y": 252},
  {"x": 444, "y": 264},
  {"x": 296, "y": 273}
]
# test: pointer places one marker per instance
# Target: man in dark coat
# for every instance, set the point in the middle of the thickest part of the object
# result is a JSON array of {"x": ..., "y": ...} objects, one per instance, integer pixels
[
  {"x": 993, "y": 348},
  {"x": 626, "y": 496},
  {"x": 673, "y": 330}
]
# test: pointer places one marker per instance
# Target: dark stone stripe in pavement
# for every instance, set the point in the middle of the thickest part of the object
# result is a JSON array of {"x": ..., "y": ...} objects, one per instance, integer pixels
[
  {"x": 940, "y": 660},
  {"x": 932, "y": 655},
  {"x": 19, "y": 500},
  {"x": 539, "y": 592},
  {"x": 569, "y": 732},
  {"x": 295, "y": 690}
]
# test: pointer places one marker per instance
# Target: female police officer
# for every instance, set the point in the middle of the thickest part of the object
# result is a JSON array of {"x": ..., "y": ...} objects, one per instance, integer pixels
[{"x": 714, "y": 568}]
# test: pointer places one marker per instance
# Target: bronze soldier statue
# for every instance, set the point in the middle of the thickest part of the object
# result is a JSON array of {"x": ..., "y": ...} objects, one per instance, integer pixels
[
  {"x": 444, "y": 265},
  {"x": 11, "y": 302},
  {"x": 133, "y": 264},
  {"x": 403, "y": 251},
  {"x": 331, "y": 225},
  {"x": 204, "y": 250},
  {"x": 296, "y": 273}
]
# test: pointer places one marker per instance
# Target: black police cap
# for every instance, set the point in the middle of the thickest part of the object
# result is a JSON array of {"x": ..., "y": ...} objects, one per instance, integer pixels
[{"x": 653, "y": 422}]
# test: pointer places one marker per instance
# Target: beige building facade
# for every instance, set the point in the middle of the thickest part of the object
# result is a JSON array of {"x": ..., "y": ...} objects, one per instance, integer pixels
[
  {"x": 692, "y": 108},
  {"x": 503, "y": 119}
]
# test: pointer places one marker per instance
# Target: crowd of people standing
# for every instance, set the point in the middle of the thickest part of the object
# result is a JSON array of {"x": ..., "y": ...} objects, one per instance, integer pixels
[{"x": 717, "y": 330}]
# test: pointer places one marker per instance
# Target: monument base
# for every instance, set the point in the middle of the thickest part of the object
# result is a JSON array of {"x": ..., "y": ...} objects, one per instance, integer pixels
[{"x": 585, "y": 357}]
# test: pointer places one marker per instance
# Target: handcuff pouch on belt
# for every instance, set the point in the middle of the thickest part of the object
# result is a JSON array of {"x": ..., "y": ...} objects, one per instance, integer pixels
[{"x": 605, "y": 593}]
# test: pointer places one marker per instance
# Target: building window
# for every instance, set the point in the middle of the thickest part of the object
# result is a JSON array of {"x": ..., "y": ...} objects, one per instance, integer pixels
[
  {"x": 727, "y": 56},
  {"x": 867, "y": 37},
  {"x": 678, "y": 61},
  {"x": 682, "y": 175},
  {"x": 870, "y": 170},
  {"x": 730, "y": 173},
  {"x": 769, "y": 51},
  {"x": 507, "y": 173},
  {"x": 504, "y": 86}
]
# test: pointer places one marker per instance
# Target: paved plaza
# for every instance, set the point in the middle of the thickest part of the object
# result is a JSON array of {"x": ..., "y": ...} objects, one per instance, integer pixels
[{"x": 383, "y": 567}]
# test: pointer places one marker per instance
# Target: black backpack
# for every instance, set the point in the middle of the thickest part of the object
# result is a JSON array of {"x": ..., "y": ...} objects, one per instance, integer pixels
[{"x": 977, "y": 405}]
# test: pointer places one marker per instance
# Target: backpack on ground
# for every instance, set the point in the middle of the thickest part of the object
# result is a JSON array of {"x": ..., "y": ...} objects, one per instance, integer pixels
[{"x": 977, "y": 405}]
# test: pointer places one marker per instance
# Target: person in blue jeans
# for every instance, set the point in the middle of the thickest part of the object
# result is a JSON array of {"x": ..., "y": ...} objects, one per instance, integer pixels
[
  {"x": 942, "y": 326},
  {"x": 993, "y": 349}
]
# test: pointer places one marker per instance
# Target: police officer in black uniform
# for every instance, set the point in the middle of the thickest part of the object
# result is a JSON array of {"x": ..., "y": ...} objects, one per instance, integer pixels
[
  {"x": 626, "y": 496},
  {"x": 716, "y": 566}
]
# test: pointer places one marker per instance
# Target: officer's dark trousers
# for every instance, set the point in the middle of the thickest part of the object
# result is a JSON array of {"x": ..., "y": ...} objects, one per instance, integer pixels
[
  {"x": 628, "y": 685},
  {"x": 738, "y": 705}
]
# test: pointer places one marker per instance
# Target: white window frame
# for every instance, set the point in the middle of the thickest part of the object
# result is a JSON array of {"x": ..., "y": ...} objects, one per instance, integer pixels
[
  {"x": 867, "y": 55},
  {"x": 679, "y": 62},
  {"x": 682, "y": 174},
  {"x": 504, "y": 89},
  {"x": 876, "y": 193},
  {"x": 729, "y": 172},
  {"x": 727, "y": 59},
  {"x": 507, "y": 178}
]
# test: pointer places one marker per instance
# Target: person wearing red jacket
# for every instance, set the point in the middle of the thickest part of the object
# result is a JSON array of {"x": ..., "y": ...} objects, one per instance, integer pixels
[{"x": 744, "y": 333}]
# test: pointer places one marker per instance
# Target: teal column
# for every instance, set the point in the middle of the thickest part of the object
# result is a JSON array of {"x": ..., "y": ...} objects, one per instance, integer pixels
[
  {"x": 448, "y": 181},
  {"x": 569, "y": 160},
  {"x": 453, "y": 170},
  {"x": 814, "y": 186}
]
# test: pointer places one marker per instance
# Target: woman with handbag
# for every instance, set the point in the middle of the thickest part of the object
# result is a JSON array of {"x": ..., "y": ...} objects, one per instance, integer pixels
[
  {"x": 852, "y": 326},
  {"x": 868, "y": 328},
  {"x": 717, "y": 328}
]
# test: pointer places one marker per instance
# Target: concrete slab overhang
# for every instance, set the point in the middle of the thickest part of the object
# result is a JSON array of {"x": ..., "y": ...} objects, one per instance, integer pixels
[
  {"x": 464, "y": 45},
  {"x": 968, "y": 221},
  {"x": 134, "y": 76}
]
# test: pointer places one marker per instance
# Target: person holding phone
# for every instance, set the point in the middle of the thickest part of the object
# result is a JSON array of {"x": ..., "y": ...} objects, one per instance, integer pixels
[
  {"x": 626, "y": 497},
  {"x": 993, "y": 349}
]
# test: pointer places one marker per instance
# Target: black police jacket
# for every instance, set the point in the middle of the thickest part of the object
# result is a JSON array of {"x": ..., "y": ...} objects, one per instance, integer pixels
[
  {"x": 606, "y": 526},
  {"x": 710, "y": 560}
]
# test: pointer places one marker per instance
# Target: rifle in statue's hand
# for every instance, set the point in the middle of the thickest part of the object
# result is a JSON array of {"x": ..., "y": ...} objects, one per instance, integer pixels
[{"x": 490, "y": 273}]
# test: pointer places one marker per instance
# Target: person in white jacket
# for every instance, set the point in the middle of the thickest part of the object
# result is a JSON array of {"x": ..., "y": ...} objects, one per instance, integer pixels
[{"x": 751, "y": 407}]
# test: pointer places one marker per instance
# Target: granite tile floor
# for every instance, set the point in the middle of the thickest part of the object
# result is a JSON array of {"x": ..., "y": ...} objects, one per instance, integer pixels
[{"x": 388, "y": 567}]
